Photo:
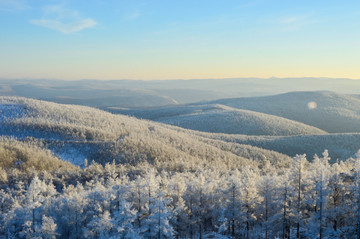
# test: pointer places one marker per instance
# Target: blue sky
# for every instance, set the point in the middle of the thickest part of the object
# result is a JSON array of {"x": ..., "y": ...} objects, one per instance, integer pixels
[{"x": 130, "y": 39}]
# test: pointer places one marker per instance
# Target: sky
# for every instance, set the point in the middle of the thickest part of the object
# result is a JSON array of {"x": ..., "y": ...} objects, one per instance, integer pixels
[{"x": 179, "y": 39}]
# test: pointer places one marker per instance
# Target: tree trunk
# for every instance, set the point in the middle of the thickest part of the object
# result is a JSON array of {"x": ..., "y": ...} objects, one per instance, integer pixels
[
  {"x": 299, "y": 203},
  {"x": 321, "y": 211},
  {"x": 284, "y": 215},
  {"x": 33, "y": 216},
  {"x": 358, "y": 211}
]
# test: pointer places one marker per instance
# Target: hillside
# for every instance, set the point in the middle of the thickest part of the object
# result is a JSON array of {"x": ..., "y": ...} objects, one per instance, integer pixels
[
  {"x": 215, "y": 118},
  {"x": 28, "y": 155},
  {"x": 78, "y": 132},
  {"x": 340, "y": 146},
  {"x": 329, "y": 111}
]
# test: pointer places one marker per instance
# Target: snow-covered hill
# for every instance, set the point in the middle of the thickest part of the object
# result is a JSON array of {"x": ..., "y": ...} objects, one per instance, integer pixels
[
  {"x": 329, "y": 111},
  {"x": 78, "y": 132},
  {"x": 29, "y": 156},
  {"x": 308, "y": 112},
  {"x": 216, "y": 118},
  {"x": 340, "y": 146}
]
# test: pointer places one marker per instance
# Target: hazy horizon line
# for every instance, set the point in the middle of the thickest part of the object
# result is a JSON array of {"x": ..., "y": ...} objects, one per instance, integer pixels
[{"x": 184, "y": 79}]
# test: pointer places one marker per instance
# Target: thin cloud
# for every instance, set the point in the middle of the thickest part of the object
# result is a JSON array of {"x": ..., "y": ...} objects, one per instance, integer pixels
[
  {"x": 292, "y": 19},
  {"x": 65, "y": 28},
  {"x": 63, "y": 20},
  {"x": 134, "y": 15},
  {"x": 131, "y": 16},
  {"x": 12, "y": 5},
  {"x": 290, "y": 23}
]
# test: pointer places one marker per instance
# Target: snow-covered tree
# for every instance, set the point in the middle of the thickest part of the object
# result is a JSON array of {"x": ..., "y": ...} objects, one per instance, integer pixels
[
  {"x": 250, "y": 199},
  {"x": 100, "y": 227},
  {"x": 157, "y": 223},
  {"x": 299, "y": 180},
  {"x": 268, "y": 192},
  {"x": 124, "y": 218},
  {"x": 36, "y": 195},
  {"x": 48, "y": 228},
  {"x": 320, "y": 179}
]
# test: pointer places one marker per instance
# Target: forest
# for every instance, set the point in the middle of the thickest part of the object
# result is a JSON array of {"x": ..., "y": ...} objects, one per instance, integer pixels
[{"x": 306, "y": 199}]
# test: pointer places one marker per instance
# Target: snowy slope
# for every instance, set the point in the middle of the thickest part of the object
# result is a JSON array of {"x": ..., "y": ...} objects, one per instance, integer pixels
[
  {"x": 329, "y": 111},
  {"x": 216, "y": 118},
  {"x": 340, "y": 146},
  {"x": 224, "y": 119},
  {"x": 28, "y": 155},
  {"x": 78, "y": 132}
]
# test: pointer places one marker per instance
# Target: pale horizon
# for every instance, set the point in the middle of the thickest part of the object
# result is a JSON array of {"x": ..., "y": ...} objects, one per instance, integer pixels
[{"x": 178, "y": 79}]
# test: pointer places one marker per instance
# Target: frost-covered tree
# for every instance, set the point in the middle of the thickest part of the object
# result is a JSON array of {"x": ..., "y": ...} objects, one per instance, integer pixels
[
  {"x": 176, "y": 189},
  {"x": 233, "y": 214},
  {"x": 100, "y": 227},
  {"x": 357, "y": 192},
  {"x": 284, "y": 198},
  {"x": 70, "y": 210},
  {"x": 37, "y": 193},
  {"x": 124, "y": 218},
  {"x": 338, "y": 200},
  {"x": 48, "y": 228},
  {"x": 320, "y": 179},
  {"x": 268, "y": 191},
  {"x": 250, "y": 199},
  {"x": 299, "y": 180},
  {"x": 157, "y": 224}
]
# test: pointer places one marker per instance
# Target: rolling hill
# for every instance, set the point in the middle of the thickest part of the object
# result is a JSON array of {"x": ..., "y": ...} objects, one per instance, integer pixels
[
  {"x": 74, "y": 133},
  {"x": 329, "y": 111},
  {"x": 340, "y": 146},
  {"x": 223, "y": 119},
  {"x": 306, "y": 113},
  {"x": 29, "y": 155},
  {"x": 78, "y": 132}
]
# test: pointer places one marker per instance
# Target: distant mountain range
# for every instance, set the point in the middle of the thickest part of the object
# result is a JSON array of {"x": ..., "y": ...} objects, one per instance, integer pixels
[{"x": 135, "y": 93}]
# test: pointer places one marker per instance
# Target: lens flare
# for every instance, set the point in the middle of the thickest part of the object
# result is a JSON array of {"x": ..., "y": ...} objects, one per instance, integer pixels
[{"x": 312, "y": 105}]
